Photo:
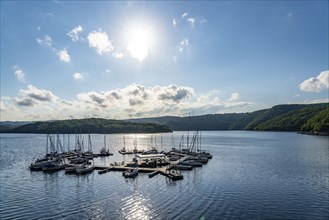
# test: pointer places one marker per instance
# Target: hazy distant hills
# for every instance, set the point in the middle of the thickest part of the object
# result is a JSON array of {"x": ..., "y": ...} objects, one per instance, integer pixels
[
  {"x": 311, "y": 118},
  {"x": 296, "y": 117}
]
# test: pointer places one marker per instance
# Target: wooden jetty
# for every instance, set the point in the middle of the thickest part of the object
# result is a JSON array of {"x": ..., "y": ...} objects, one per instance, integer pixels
[
  {"x": 165, "y": 171},
  {"x": 169, "y": 171}
]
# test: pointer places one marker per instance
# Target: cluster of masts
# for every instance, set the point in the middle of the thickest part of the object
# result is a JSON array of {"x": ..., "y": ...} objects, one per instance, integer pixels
[
  {"x": 79, "y": 160},
  {"x": 59, "y": 156}
]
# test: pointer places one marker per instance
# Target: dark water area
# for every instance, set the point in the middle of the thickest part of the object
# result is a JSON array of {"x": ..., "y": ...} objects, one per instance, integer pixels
[{"x": 253, "y": 175}]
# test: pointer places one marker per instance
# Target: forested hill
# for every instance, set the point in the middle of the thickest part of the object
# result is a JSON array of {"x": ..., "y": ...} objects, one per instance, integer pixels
[
  {"x": 91, "y": 125},
  {"x": 311, "y": 118},
  {"x": 308, "y": 118}
]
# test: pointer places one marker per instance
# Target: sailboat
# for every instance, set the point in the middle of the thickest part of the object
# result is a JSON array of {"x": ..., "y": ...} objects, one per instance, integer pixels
[
  {"x": 48, "y": 159},
  {"x": 123, "y": 150},
  {"x": 105, "y": 152},
  {"x": 89, "y": 154},
  {"x": 85, "y": 168}
]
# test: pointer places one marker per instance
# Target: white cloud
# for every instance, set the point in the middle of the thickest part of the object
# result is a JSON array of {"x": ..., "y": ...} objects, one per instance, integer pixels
[
  {"x": 131, "y": 101},
  {"x": 183, "y": 45},
  {"x": 20, "y": 75},
  {"x": 33, "y": 96},
  {"x": 234, "y": 96},
  {"x": 191, "y": 21},
  {"x": 78, "y": 76},
  {"x": 45, "y": 41},
  {"x": 74, "y": 33},
  {"x": 314, "y": 101},
  {"x": 108, "y": 71},
  {"x": 203, "y": 20},
  {"x": 316, "y": 84},
  {"x": 64, "y": 56},
  {"x": 229, "y": 105},
  {"x": 117, "y": 55},
  {"x": 174, "y": 22},
  {"x": 184, "y": 15},
  {"x": 100, "y": 41}
]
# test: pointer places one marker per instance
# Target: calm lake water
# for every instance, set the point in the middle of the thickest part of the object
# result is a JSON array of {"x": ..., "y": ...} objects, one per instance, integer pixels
[{"x": 253, "y": 175}]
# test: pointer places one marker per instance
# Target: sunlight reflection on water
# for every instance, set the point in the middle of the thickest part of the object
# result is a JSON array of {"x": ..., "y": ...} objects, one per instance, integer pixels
[{"x": 136, "y": 206}]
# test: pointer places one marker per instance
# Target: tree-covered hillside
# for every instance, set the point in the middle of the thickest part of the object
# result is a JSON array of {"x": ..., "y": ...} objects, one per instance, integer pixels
[
  {"x": 91, "y": 125},
  {"x": 277, "y": 118},
  {"x": 312, "y": 118},
  {"x": 291, "y": 121},
  {"x": 318, "y": 123}
]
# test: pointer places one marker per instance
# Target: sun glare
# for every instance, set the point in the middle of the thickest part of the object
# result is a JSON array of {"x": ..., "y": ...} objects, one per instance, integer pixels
[{"x": 140, "y": 40}]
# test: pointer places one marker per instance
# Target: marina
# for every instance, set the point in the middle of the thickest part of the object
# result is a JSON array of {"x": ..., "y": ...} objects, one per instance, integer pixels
[{"x": 168, "y": 164}]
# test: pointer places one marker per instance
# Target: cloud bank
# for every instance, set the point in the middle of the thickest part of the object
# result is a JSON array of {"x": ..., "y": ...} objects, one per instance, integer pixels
[{"x": 129, "y": 102}]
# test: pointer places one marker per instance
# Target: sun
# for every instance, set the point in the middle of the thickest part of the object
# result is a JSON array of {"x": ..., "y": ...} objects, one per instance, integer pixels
[{"x": 139, "y": 43}]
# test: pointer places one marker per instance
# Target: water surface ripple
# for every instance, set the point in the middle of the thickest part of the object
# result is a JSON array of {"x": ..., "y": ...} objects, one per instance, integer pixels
[{"x": 252, "y": 175}]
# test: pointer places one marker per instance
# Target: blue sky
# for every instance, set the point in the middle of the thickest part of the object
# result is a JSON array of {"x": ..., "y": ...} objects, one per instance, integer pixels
[{"x": 62, "y": 60}]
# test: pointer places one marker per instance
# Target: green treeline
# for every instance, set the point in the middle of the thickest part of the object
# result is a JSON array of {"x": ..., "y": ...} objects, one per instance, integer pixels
[
  {"x": 308, "y": 118},
  {"x": 91, "y": 125}
]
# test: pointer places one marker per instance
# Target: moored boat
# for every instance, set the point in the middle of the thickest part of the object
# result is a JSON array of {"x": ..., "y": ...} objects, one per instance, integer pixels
[
  {"x": 37, "y": 166},
  {"x": 105, "y": 152},
  {"x": 85, "y": 168},
  {"x": 191, "y": 163},
  {"x": 52, "y": 167},
  {"x": 183, "y": 167},
  {"x": 131, "y": 173}
]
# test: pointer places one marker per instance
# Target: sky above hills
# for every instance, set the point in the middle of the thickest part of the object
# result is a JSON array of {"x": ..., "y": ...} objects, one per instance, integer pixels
[{"x": 115, "y": 59}]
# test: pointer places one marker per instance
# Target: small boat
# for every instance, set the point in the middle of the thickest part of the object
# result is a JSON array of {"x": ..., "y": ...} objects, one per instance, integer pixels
[
  {"x": 183, "y": 167},
  {"x": 52, "y": 167},
  {"x": 175, "y": 175},
  {"x": 37, "y": 166},
  {"x": 174, "y": 157},
  {"x": 71, "y": 168},
  {"x": 89, "y": 154},
  {"x": 191, "y": 163},
  {"x": 131, "y": 173},
  {"x": 84, "y": 168},
  {"x": 123, "y": 151},
  {"x": 78, "y": 160},
  {"x": 201, "y": 159},
  {"x": 105, "y": 152}
]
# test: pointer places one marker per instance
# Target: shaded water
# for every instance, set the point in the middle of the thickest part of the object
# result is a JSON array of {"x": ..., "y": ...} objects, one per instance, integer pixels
[{"x": 252, "y": 175}]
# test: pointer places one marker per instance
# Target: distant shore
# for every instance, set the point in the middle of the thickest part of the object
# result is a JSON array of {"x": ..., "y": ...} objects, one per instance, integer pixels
[{"x": 314, "y": 133}]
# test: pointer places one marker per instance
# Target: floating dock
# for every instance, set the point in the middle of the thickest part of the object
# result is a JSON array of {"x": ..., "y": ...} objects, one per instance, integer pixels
[
  {"x": 169, "y": 171},
  {"x": 165, "y": 171}
]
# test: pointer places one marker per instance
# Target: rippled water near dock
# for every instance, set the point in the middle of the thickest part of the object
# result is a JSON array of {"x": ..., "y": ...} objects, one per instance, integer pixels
[{"x": 253, "y": 175}]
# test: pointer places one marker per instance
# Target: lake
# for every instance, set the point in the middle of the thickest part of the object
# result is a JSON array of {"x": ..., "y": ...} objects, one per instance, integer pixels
[{"x": 253, "y": 175}]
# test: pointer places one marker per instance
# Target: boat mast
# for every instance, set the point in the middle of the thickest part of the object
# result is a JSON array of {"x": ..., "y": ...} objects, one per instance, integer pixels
[
  {"x": 104, "y": 142},
  {"x": 68, "y": 142},
  {"x": 47, "y": 145},
  {"x": 124, "y": 143},
  {"x": 90, "y": 147}
]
